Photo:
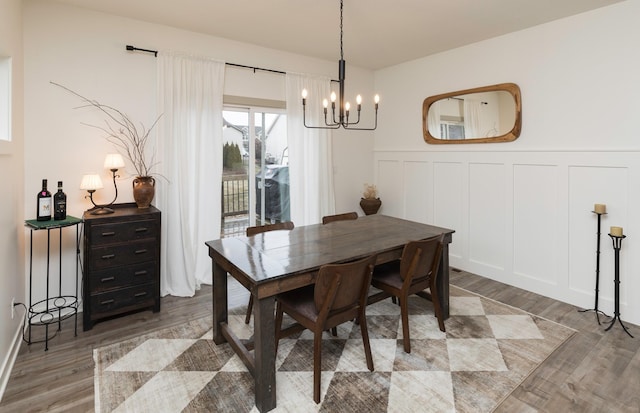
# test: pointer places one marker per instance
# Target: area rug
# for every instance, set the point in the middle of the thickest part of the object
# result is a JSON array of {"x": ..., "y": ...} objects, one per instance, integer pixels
[{"x": 488, "y": 349}]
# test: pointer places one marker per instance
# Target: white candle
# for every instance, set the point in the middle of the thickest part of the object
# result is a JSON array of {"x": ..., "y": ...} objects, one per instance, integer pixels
[
  {"x": 600, "y": 208},
  {"x": 616, "y": 231}
]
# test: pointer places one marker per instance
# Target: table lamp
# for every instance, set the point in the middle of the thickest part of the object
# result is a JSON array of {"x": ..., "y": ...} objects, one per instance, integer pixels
[{"x": 92, "y": 182}]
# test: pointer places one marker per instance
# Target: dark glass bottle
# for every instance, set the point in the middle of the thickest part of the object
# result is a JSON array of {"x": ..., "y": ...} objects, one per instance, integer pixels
[
  {"x": 44, "y": 203},
  {"x": 59, "y": 204}
]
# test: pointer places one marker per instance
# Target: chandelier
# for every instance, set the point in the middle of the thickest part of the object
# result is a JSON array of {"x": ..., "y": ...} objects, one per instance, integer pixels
[{"x": 343, "y": 107}]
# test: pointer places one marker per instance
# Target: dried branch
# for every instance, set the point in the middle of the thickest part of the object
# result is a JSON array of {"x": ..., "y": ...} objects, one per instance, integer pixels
[{"x": 130, "y": 140}]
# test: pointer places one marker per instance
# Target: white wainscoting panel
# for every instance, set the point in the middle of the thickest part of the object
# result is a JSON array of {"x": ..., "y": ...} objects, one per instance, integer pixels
[
  {"x": 390, "y": 183},
  {"x": 417, "y": 191},
  {"x": 535, "y": 222},
  {"x": 449, "y": 202},
  {"x": 591, "y": 185},
  {"x": 525, "y": 217},
  {"x": 487, "y": 211}
]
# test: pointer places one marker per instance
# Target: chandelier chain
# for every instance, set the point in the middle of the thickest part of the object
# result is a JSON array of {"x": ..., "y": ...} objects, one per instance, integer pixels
[{"x": 341, "y": 52}]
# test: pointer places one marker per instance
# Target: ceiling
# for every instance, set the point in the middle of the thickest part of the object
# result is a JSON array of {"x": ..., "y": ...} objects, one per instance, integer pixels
[{"x": 377, "y": 33}]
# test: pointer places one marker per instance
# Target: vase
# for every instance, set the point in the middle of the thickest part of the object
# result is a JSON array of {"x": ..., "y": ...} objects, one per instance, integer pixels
[
  {"x": 370, "y": 205},
  {"x": 144, "y": 189}
]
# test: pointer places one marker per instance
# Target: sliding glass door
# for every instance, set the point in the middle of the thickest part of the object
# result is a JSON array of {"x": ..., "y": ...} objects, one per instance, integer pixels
[{"x": 255, "y": 179}]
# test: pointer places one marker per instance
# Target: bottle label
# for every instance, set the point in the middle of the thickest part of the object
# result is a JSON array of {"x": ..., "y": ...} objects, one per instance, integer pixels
[
  {"x": 44, "y": 207},
  {"x": 60, "y": 211}
]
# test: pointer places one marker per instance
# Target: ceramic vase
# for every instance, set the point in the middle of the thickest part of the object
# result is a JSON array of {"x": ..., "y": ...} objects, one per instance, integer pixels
[
  {"x": 144, "y": 189},
  {"x": 370, "y": 205}
]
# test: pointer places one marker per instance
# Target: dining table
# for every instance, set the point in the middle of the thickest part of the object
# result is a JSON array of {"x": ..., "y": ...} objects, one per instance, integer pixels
[{"x": 274, "y": 262}]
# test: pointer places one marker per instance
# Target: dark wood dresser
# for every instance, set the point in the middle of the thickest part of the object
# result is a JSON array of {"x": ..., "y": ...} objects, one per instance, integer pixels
[{"x": 121, "y": 262}]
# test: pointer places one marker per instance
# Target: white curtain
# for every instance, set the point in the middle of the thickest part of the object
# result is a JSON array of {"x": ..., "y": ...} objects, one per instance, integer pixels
[
  {"x": 471, "y": 118},
  {"x": 190, "y": 157},
  {"x": 433, "y": 120},
  {"x": 310, "y": 157}
]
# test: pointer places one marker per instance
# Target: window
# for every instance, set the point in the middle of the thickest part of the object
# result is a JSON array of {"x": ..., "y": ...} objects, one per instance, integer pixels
[
  {"x": 255, "y": 175},
  {"x": 5, "y": 98},
  {"x": 451, "y": 130}
]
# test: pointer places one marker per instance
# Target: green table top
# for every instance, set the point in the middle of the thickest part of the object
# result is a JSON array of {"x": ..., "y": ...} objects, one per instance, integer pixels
[{"x": 35, "y": 224}]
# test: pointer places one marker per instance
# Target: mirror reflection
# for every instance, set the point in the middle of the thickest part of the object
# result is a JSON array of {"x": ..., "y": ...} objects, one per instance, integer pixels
[{"x": 485, "y": 114}]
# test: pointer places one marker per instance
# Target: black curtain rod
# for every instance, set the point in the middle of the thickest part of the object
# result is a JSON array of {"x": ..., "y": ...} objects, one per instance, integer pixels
[
  {"x": 254, "y": 68},
  {"x": 137, "y": 49}
]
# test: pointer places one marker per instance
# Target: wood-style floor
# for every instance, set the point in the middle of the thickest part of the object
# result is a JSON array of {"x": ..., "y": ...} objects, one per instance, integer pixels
[{"x": 595, "y": 371}]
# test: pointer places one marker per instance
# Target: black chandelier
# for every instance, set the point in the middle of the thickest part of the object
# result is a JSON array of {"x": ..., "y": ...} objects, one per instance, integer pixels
[{"x": 344, "y": 107}]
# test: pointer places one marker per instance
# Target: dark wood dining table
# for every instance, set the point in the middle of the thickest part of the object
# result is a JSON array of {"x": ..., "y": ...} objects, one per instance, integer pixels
[{"x": 274, "y": 262}]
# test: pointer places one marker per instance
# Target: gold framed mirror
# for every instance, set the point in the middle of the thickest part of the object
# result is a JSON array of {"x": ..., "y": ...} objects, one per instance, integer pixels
[{"x": 480, "y": 115}]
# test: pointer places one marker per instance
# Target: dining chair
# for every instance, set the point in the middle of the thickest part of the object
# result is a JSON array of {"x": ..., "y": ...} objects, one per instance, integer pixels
[
  {"x": 259, "y": 229},
  {"x": 416, "y": 271},
  {"x": 339, "y": 295},
  {"x": 339, "y": 217}
]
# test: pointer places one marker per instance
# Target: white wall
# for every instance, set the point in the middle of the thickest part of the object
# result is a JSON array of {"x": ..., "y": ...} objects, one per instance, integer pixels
[
  {"x": 85, "y": 51},
  {"x": 11, "y": 188},
  {"x": 522, "y": 210}
]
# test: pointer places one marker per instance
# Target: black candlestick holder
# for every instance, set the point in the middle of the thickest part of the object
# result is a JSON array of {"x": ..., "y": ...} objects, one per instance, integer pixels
[
  {"x": 595, "y": 307},
  {"x": 617, "y": 245}
]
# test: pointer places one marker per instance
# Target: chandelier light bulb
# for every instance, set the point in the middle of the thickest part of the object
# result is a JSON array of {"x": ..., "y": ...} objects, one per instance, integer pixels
[
  {"x": 304, "y": 93},
  {"x": 333, "y": 97},
  {"x": 347, "y": 106},
  {"x": 325, "y": 103},
  {"x": 376, "y": 99},
  {"x": 358, "y": 99}
]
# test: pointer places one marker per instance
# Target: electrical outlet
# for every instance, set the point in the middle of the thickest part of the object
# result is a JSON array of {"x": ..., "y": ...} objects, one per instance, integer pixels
[{"x": 13, "y": 303}]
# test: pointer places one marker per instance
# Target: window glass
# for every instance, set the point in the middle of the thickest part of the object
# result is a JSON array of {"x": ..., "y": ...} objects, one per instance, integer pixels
[
  {"x": 255, "y": 179},
  {"x": 451, "y": 130}
]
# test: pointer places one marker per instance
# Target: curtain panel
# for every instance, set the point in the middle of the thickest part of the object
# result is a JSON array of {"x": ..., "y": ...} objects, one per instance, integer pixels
[
  {"x": 310, "y": 156},
  {"x": 189, "y": 152},
  {"x": 471, "y": 119}
]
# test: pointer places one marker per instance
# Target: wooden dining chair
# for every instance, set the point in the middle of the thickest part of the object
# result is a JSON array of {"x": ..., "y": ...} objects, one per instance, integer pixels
[
  {"x": 339, "y": 295},
  {"x": 259, "y": 229},
  {"x": 339, "y": 217},
  {"x": 416, "y": 271}
]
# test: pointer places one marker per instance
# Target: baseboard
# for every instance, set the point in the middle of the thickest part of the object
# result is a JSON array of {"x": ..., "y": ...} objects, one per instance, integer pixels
[{"x": 10, "y": 359}]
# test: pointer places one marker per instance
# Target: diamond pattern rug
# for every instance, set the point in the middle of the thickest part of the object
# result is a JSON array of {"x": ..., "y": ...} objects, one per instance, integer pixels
[{"x": 488, "y": 350}]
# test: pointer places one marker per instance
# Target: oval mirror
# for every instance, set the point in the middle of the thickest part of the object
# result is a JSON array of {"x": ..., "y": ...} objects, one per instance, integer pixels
[{"x": 480, "y": 115}]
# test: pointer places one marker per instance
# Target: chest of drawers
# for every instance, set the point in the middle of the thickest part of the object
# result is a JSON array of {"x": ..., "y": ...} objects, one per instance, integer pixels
[{"x": 121, "y": 263}]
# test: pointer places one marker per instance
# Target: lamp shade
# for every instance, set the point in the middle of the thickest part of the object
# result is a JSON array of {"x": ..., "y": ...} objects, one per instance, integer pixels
[
  {"x": 91, "y": 182},
  {"x": 113, "y": 161}
]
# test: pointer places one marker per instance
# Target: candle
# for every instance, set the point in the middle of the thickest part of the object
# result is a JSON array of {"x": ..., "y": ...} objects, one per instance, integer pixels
[
  {"x": 616, "y": 231},
  {"x": 600, "y": 208}
]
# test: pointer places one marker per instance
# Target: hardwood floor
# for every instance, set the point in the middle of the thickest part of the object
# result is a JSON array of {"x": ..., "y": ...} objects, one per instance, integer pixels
[{"x": 595, "y": 371}]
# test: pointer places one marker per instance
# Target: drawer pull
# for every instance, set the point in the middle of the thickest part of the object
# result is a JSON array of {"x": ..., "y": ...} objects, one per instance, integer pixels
[
  {"x": 108, "y": 256},
  {"x": 142, "y": 251},
  {"x": 142, "y": 229},
  {"x": 108, "y": 234},
  {"x": 139, "y": 273},
  {"x": 107, "y": 302},
  {"x": 107, "y": 279},
  {"x": 142, "y": 294}
]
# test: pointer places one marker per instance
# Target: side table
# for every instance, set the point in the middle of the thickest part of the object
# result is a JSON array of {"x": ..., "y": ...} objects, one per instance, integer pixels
[{"x": 57, "y": 307}]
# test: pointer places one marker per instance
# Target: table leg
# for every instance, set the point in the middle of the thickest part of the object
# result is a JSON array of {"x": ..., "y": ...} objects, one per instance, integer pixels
[
  {"x": 30, "y": 283},
  {"x": 220, "y": 310},
  {"x": 265, "y": 357},
  {"x": 46, "y": 327},
  {"x": 442, "y": 282}
]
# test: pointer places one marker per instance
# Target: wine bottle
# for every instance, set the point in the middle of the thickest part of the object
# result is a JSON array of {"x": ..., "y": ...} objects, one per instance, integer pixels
[
  {"x": 44, "y": 203},
  {"x": 59, "y": 204}
]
